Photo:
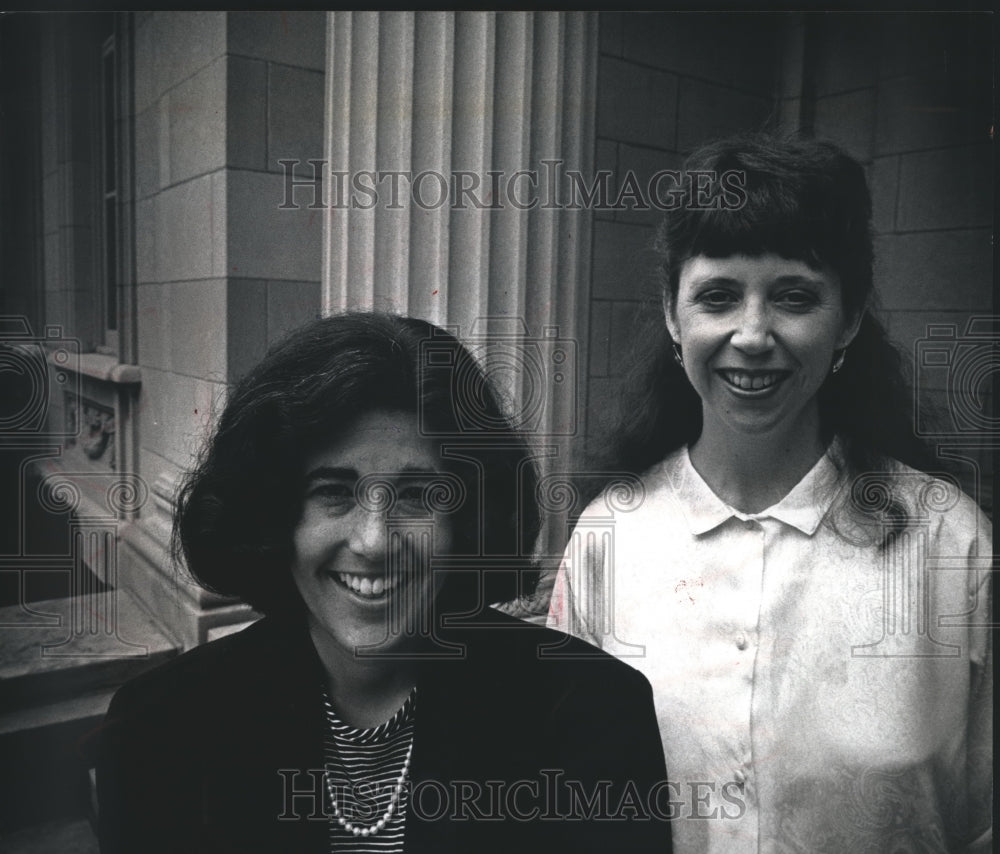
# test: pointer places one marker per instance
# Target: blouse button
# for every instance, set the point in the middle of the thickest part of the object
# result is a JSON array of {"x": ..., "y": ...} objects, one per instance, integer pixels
[{"x": 741, "y": 642}]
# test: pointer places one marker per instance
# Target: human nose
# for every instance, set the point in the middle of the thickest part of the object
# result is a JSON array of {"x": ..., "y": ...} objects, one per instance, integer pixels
[
  {"x": 753, "y": 332},
  {"x": 368, "y": 535}
]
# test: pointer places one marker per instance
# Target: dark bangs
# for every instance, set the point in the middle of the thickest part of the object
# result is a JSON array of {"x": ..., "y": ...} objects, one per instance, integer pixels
[{"x": 806, "y": 202}]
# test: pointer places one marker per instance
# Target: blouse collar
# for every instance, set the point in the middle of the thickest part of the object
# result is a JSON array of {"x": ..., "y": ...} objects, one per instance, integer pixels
[{"x": 803, "y": 508}]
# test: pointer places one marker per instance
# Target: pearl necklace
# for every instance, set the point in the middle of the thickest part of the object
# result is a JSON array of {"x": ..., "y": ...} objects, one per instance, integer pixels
[
  {"x": 371, "y": 830},
  {"x": 397, "y": 792}
]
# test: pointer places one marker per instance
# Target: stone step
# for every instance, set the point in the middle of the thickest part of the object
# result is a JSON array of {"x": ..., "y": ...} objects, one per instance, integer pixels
[
  {"x": 62, "y": 649},
  {"x": 45, "y": 757}
]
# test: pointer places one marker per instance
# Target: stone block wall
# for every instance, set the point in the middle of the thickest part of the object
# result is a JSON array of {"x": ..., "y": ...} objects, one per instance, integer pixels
[
  {"x": 910, "y": 96},
  {"x": 221, "y": 269},
  {"x": 667, "y": 82},
  {"x": 907, "y": 94}
]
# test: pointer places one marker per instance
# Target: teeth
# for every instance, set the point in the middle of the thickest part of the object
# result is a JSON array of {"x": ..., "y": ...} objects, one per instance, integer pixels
[
  {"x": 366, "y": 586},
  {"x": 751, "y": 382}
]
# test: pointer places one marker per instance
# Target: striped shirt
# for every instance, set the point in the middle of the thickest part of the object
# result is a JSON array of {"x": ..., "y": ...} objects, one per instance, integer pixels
[{"x": 362, "y": 772}]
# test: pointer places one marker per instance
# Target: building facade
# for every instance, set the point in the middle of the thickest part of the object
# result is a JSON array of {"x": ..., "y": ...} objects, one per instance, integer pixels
[{"x": 181, "y": 189}]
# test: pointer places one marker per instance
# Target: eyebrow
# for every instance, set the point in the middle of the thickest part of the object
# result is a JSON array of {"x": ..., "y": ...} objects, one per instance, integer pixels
[
  {"x": 798, "y": 280},
  {"x": 781, "y": 280},
  {"x": 715, "y": 280},
  {"x": 346, "y": 473},
  {"x": 331, "y": 473}
]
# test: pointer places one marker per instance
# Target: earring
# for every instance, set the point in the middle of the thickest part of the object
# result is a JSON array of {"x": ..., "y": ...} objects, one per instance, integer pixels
[
  {"x": 677, "y": 354},
  {"x": 838, "y": 363}
]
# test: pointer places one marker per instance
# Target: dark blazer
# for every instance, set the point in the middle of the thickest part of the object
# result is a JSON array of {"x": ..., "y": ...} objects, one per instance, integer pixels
[{"x": 212, "y": 751}]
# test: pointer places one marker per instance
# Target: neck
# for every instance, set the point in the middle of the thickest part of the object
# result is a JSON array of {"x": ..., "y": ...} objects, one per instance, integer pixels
[
  {"x": 365, "y": 691},
  {"x": 751, "y": 472}
]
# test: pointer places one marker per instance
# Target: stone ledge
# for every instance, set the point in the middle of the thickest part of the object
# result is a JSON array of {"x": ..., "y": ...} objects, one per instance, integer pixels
[
  {"x": 104, "y": 368},
  {"x": 100, "y": 641}
]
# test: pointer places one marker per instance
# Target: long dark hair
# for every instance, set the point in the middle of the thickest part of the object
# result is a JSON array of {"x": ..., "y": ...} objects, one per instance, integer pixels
[
  {"x": 237, "y": 510},
  {"x": 804, "y": 200}
]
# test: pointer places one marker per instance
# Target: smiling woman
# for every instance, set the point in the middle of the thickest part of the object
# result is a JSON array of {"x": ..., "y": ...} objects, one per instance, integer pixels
[
  {"x": 778, "y": 562},
  {"x": 380, "y": 705},
  {"x": 758, "y": 337},
  {"x": 350, "y": 567}
]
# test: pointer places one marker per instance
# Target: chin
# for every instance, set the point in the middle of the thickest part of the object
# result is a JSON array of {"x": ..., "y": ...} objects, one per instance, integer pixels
[
  {"x": 755, "y": 427},
  {"x": 374, "y": 644},
  {"x": 762, "y": 424},
  {"x": 362, "y": 641}
]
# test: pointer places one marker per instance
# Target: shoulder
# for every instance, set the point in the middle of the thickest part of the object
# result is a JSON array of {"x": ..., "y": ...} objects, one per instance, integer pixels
[
  {"x": 203, "y": 676},
  {"x": 537, "y": 695},
  {"x": 932, "y": 503},
  {"x": 527, "y": 659},
  {"x": 627, "y": 493},
  {"x": 938, "y": 498}
]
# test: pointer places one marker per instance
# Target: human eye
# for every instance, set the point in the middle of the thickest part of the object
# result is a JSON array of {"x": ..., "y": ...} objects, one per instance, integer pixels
[
  {"x": 797, "y": 299},
  {"x": 332, "y": 495},
  {"x": 411, "y": 499},
  {"x": 716, "y": 298}
]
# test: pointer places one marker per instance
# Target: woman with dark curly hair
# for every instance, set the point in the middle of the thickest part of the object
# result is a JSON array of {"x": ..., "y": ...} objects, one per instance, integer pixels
[
  {"x": 822, "y": 683},
  {"x": 380, "y": 705}
]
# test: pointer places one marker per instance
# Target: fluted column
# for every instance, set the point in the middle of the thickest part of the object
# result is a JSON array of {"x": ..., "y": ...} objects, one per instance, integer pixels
[{"x": 462, "y": 122}]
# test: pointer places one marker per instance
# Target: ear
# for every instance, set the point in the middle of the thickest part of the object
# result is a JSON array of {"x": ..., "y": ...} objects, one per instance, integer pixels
[
  {"x": 851, "y": 326},
  {"x": 671, "y": 317}
]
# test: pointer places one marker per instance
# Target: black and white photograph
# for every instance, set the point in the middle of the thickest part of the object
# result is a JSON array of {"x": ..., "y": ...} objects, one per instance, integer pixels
[{"x": 497, "y": 431}]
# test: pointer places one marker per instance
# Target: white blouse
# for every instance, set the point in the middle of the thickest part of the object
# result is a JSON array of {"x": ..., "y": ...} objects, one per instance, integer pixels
[{"x": 815, "y": 691}]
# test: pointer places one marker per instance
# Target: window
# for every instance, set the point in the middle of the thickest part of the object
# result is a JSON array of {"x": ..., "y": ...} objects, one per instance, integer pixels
[{"x": 108, "y": 230}]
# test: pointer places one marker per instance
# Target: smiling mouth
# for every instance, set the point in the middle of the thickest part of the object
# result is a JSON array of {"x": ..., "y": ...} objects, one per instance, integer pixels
[
  {"x": 366, "y": 587},
  {"x": 753, "y": 381}
]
